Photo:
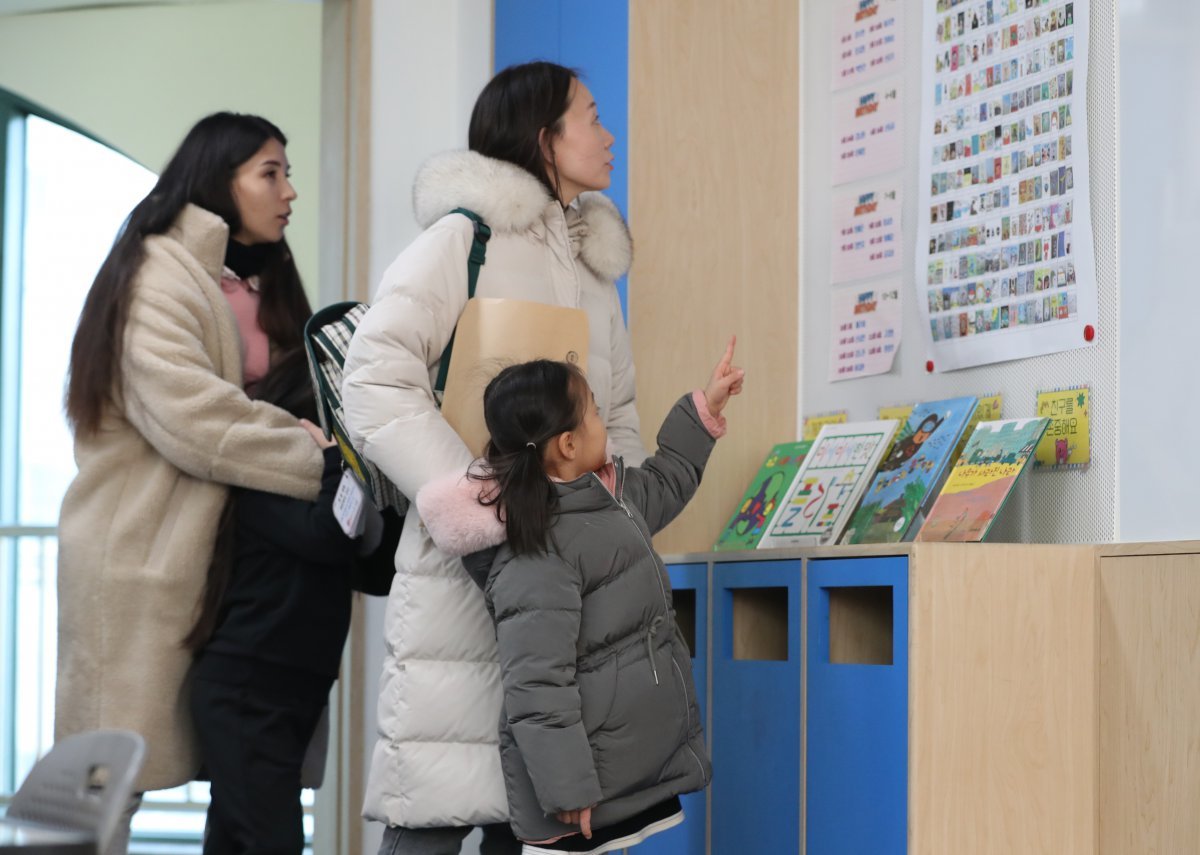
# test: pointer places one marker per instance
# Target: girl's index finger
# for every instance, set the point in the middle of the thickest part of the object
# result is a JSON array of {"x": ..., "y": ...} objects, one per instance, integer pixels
[{"x": 728, "y": 357}]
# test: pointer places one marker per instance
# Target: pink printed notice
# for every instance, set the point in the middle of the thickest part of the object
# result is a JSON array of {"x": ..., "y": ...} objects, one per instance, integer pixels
[
  {"x": 867, "y": 132},
  {"x": 866, "y": 329},
  {"x": 867, "y": 41},
  {"x": 866, "y": 231}
]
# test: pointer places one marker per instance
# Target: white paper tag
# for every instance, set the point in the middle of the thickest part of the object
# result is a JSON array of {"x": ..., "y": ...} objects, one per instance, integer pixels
[{"x": 348, "y": 504}]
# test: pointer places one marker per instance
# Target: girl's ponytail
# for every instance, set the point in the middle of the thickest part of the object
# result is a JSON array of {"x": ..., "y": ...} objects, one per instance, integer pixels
[{"x": 527, "y": 406}]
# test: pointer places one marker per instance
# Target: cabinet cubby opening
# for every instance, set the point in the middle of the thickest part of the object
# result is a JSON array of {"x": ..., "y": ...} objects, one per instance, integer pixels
[
  {"x": 760, "y": 623},
  {"x": 860, "y": 625},
  {"x": 685, "y": 615}
]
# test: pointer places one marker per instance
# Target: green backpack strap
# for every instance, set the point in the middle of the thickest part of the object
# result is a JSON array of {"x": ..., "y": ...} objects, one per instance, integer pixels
[{"x": 475, "y": 260}]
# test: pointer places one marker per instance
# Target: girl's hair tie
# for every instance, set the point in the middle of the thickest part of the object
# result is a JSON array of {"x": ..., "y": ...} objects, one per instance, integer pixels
[{"x": 531, "y": 445}]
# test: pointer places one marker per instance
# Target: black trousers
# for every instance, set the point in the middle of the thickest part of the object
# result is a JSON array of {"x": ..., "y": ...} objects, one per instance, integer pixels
[{"x": 254, "y": 724}]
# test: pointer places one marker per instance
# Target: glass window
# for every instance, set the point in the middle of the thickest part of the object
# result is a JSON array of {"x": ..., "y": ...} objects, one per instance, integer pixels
[{"x": 77, "y": 194}]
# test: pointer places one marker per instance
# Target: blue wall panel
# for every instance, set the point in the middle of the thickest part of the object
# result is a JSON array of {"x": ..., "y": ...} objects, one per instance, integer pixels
[
  {"x": 857, "y": 740},
  {"x": 591, "y": 37},
  {"x": 755, "y": 722},
  {"x": 527, "y": 30}
]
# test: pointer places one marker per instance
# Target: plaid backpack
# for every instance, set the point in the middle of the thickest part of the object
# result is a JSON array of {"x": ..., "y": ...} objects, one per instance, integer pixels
[{"x": 327, "y": 338}]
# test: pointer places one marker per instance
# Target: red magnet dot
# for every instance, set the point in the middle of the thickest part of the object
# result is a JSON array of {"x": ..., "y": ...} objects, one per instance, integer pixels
[
  {"x": 1089, "y": 333},
  {"x": 929, "y": 366}
]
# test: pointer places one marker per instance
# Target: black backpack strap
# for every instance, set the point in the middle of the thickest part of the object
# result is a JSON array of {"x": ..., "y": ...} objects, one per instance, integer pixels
[{"x": 475, "y": 260}]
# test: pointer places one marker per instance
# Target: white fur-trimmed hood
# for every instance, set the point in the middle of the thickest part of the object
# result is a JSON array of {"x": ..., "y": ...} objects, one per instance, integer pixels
[
  {"x": 511, "y": 200},
  {"x": 457, "y": 522}
]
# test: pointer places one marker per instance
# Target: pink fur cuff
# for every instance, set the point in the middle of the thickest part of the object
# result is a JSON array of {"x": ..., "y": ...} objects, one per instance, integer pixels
[{"x": 456, "y": 521}]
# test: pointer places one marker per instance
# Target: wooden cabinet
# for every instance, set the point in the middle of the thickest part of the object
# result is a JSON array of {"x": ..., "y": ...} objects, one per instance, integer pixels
[{"x": 1148, "y": 609}]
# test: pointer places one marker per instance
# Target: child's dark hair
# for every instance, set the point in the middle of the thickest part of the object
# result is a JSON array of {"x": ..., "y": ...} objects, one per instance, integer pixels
[{"x": 525, "y": 407}]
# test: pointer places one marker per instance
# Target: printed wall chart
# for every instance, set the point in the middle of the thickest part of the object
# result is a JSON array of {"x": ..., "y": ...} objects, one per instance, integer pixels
[{"x": 1005, "y": 266}]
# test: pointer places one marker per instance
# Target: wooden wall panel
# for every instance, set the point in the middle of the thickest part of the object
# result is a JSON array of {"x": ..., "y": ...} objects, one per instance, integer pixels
[{"x": 714, "y": 157}]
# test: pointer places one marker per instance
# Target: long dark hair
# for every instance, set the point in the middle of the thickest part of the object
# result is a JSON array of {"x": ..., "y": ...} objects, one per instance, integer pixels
[
  {"x": 286, "y": 385},
  {"x": 514, "y": 108},
  {"x": 526, "y": 407},
  {"x": 201, "y": 172}
]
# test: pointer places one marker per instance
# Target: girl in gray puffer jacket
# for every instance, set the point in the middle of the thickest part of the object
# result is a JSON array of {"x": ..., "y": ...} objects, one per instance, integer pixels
[{"x": 600, "y": 731}]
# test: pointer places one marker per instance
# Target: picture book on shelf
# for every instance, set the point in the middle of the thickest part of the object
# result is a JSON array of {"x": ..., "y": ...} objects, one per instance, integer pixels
[
  {"x": 829, "y": 483},
  {"x": 982, "y": 479},
  {"x": 989, "y": 409},
  {"x": 762, "y": 497},
  {"x": 911, "y": 472}
]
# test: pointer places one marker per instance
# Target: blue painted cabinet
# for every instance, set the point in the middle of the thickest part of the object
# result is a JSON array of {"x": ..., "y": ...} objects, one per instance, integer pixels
[
  {"x": 756, "y": 675},
  {"x": 856, "y": 762},
  {"x": 689, "y": 586}
]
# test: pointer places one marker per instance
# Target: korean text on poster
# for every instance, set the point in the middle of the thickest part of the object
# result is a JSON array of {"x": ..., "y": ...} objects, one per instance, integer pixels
[{"x": 1066, "y": 444}]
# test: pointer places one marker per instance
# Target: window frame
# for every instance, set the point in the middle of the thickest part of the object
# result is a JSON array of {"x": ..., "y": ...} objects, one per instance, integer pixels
[{"x": 14, "y": 111}]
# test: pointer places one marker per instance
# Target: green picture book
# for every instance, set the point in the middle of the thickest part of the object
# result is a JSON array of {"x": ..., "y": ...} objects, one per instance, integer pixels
[{"x": 762, "y": 498}]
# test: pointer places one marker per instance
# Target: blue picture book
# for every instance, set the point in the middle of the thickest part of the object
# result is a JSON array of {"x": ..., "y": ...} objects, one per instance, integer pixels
[{"x": 911, "y": 473}]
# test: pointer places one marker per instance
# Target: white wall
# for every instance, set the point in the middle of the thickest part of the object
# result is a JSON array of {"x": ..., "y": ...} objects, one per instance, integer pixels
[
  {"x": 139, "y": 77},
  {"x": 1160, "y": 302},
  {"x": 428, "y": 63}
]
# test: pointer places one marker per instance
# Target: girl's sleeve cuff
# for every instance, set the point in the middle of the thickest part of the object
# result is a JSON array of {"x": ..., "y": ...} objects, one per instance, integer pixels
[{"x": 715, "y": 425}]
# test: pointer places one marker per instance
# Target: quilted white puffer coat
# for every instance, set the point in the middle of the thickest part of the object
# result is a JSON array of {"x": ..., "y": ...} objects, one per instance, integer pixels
[{"x": 436, "y": 761}]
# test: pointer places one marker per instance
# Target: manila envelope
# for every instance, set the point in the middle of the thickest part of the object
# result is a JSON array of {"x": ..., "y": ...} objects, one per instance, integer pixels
[{"x": 493, "y": 334}]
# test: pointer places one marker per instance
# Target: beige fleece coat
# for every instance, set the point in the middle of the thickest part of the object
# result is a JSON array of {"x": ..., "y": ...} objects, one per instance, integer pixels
[
  {"x": 437, "y": 760},
  {"x": 138, "y": 523}
]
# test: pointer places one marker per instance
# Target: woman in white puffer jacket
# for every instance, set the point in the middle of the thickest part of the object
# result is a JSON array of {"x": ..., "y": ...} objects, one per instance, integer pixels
[{"x": 537, "y": 154}]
